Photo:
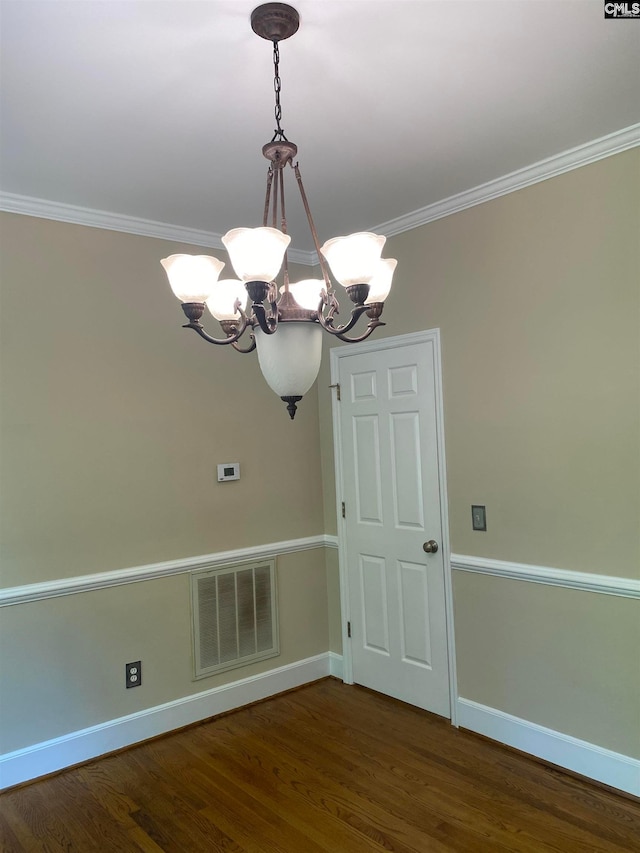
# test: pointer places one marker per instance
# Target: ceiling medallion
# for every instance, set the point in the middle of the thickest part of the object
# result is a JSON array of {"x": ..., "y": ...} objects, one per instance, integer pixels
[{"x": 284, "y": 324}]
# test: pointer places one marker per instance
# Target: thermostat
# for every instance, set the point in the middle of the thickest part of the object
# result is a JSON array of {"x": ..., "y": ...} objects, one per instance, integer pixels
[{"x": 228, "y": 471}]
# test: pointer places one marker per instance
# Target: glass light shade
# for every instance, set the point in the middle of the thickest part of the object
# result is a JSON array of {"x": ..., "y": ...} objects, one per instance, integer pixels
[
  {"x": 256, "y": 253},
  {"x": 307, "y": 292},
  {"x": 353, "y": 259},
  {"x": 380, "y": 284},
  {"x": 192, "y": 277},
  {"x": 290, "y": 358},
  {"x": 222, "y": 300}
]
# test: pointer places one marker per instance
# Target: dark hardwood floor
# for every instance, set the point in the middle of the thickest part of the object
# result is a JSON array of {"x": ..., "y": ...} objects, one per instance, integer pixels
[{"x": 325, "y": 768}]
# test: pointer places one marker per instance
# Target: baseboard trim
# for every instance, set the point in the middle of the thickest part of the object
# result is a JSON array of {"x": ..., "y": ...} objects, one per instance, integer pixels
[
  {"x": 587, "y": 759},
  {"x": 579, "y": 756},
  {"x": 102, "y": 580},
  {"x": 604, "y": 584},
  {"x": 336, "y": 667},
  {"x": 50, "y": 756}
]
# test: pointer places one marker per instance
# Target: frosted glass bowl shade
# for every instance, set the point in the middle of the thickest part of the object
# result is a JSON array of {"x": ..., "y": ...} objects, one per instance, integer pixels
[
  {"x": 307, "y": 292},
  {"x": 290, "y": 358},
  {"x": 256, "y": 253},
  {"x": 192, "y": 277},
  {"x": 353, "y": 259},
  {"x": 222, "y": 300},
  {"x": 380, "y": 284}
]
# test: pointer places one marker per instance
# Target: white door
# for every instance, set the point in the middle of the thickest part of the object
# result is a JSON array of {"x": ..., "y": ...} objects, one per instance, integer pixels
[{"x": 391, "y": 479}]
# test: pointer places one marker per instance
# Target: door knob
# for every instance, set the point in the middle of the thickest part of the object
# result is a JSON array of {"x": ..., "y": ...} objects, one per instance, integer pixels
[{"x": 431, "y": 546}]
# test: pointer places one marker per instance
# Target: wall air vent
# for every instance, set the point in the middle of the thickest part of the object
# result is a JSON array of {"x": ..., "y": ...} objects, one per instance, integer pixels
[{"x": 235, "y": 617}]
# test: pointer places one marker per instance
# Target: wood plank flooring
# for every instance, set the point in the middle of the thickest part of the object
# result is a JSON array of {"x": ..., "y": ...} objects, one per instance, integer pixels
[{"x": 328, "y": 768}]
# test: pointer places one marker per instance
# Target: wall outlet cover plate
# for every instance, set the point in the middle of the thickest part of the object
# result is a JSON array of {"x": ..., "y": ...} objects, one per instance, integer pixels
[{"x": 133, "y": 672}]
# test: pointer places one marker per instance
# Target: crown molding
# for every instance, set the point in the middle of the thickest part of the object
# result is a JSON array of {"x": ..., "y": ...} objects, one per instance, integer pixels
[
  {"x": 44, "y": 209},
  {"x": 574, "y": 158},
  {"x": 566, "y": 161}
]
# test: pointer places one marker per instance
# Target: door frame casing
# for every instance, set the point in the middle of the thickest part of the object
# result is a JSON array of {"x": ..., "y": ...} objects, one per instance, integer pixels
[{"x": 431, "y": 336}]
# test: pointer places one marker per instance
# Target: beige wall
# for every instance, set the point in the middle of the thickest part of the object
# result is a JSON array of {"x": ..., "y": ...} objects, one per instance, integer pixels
[
  {"x": 63, "y": 658},
  {"x": 113, "y": 421},
  {"x": 563, "y": 658},
  {"x": 537, "y": 296},
  {"x": 114, "y": 417}
]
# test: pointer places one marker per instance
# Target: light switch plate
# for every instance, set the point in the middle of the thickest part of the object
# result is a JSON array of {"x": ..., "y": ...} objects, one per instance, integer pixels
[{"x": 479, "y": 517}]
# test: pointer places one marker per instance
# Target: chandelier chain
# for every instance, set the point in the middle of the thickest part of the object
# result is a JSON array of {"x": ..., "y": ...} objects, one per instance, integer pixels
[{"x": 277, "y": 86}]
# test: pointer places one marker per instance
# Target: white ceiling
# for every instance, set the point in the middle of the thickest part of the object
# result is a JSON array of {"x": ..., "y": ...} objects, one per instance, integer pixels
[{"x": 158, "y": 109}]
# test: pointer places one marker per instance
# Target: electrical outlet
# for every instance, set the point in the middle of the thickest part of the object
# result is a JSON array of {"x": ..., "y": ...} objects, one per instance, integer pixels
[{"x": 133, "y": 673}]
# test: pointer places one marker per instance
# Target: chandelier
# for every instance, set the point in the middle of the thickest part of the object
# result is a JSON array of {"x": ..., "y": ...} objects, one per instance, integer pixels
[{"x": 284, "y": 324}]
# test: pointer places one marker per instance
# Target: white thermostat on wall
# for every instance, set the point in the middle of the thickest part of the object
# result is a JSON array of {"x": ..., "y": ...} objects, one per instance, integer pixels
[{"x": 228, "y": 471}]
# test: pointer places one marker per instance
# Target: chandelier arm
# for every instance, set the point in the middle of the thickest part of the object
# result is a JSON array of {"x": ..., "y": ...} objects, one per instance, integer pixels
[
  {"x": 233, "y": 329},
  {"x": 373, "y": 324},
  {"x": 327, "y": 322},
  {"x": 283, "y": 212},
  {"x": 231, "y": 339},
  {"x": 267, "y": 199},
  {"x": 312, "y": 228},
  {"x": 250, "y": 348},
  {"x": 272, "y": 297},
  {"x": 274, "y": 212},
  {"x": 283, "y": 220},
  {"x": 267, "y": 324}
]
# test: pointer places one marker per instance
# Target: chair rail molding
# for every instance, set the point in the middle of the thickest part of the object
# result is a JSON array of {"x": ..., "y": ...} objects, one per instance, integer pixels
[
  {"x": 604, "y": 584},
  {"x": 102, "y": 580}
]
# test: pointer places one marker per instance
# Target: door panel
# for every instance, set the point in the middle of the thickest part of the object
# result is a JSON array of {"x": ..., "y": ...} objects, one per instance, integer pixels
[
  {"x": 406, "y": 470},
  {"x": 363, "y": 386},
  {"x": 366, "y": 445},
  {"x": 373, "y": 603},
  {"x": 390, "y": 482},
  {"x": 414, "y": 602}
]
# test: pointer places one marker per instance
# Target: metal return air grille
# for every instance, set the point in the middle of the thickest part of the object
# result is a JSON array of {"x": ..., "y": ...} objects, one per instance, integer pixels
[{"x": 234, "y": 617}]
